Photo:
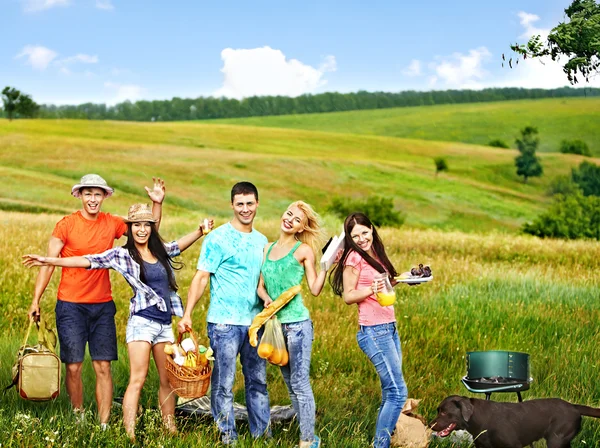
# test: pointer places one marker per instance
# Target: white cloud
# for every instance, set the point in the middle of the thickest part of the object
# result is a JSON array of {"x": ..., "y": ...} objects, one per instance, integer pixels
[
  {"x": 37, "y": 56},
  {"x": 527, "y": 20},
  {"x": 80, "y": 57},
  {"x": 541, "y": 73},
  {"x": 123, "y": 92},
  {"x": 105, "y": 5},
  {"x": 473, "y": 70},
  {"x": 40, "y": 5},
  {"x": 329, "y": 64},
  {"x": 413, "y": 69},
  {"x": 461, "y": 71},
  {"x": 266, "y": 71},
  {"x": 64, "y": 65}
]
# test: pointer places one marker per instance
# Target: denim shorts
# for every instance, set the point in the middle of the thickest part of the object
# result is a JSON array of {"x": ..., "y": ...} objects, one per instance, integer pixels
[
  {"x": 79, "y": 324},
  {"x": 141, "y": 329}
]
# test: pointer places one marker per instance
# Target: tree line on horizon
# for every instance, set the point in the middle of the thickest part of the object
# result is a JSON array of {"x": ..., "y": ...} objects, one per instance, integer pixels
[{"x": 202, "y": 108}]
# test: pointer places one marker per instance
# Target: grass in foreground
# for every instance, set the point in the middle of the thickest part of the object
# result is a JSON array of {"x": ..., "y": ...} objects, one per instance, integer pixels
[{"x": 489, "y": 292}]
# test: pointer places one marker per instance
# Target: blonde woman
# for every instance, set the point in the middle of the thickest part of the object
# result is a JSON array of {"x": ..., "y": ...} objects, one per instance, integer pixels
[{"x": 286, "y": 262}]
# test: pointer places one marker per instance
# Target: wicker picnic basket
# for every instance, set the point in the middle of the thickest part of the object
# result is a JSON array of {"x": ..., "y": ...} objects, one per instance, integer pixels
[{"x": 188, "y": 382}]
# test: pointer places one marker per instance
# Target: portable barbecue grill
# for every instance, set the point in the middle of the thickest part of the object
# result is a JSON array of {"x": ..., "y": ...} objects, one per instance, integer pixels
[{"x": 497, "y": 371}]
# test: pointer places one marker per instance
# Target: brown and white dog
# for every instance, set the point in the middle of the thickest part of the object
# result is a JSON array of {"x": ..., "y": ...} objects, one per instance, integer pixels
[{"x": 512, "y": 425}]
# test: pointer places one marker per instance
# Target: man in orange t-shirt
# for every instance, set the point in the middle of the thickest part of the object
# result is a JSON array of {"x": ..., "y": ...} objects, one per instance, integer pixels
[{"x": 85, "y": 309}]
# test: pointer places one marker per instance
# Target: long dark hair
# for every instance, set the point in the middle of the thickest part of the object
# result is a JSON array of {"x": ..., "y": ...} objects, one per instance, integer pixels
[
  {"x": 382, "y": 264},
  {"x": 157, "y": 247}
]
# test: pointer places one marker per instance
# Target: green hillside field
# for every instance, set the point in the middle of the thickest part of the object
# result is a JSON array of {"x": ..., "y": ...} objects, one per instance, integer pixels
[
  {"x": 492, "y": 289},
  {"x": 40, "y": 159},
  {"x": 477, "y": 123}
]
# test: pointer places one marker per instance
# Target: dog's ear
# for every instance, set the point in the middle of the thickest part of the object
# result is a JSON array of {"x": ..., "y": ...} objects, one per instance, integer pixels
[{"x": 466, "y": 408}]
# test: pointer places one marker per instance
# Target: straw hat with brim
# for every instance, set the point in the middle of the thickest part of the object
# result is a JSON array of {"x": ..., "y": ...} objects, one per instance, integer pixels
[
  {"x": 91, "y": 181},
  {"x": 140, "y": 213}
]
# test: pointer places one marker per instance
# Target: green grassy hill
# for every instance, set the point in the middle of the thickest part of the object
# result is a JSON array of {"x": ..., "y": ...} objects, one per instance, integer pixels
[
  {"x": 478, "y": 123},
  {"x": 41, "y": 159},
  {"x": 490, "y": 292}
]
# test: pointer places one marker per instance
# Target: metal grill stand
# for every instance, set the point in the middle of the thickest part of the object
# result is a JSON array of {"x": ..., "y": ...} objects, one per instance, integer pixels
[{"x": 497, "y": 371}]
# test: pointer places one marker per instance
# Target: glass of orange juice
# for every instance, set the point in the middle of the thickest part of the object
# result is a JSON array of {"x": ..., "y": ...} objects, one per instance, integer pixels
[{"x": 386, "y": 296}]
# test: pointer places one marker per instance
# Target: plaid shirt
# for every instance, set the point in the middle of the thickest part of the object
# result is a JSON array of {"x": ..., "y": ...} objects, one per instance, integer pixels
[{"x": 119, "y": 259}]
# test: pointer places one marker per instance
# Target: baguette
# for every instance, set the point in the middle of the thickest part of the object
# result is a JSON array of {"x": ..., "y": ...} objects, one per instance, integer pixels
[{"x": 262, "y": 317}]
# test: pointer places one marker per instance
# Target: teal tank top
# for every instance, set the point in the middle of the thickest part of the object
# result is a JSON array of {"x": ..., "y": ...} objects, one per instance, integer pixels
[{"x": 281, "y": 275}]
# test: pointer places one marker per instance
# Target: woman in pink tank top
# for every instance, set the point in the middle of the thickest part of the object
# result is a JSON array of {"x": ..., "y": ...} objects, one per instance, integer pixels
[{"x": 355, "y": 279}]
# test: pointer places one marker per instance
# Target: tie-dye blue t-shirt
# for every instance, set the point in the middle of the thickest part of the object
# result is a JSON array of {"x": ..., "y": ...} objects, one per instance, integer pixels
[{"x": 233, "y": 259}]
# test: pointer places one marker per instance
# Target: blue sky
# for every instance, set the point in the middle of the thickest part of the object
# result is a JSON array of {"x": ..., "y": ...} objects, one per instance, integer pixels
[{"x": 74, "y": 51}]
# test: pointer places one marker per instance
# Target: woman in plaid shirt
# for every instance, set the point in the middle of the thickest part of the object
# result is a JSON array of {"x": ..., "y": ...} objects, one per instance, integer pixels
[{"x": 146, "y": 262}]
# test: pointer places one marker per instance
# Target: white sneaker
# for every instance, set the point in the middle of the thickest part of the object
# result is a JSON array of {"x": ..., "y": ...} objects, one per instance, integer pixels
[{"x": 316, "y": 443}]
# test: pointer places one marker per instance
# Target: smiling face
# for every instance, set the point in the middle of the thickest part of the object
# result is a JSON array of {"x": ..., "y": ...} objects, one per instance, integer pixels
[
  {"x": 362, "y": 236},
  {"x": 244, "y": 209},
  {"x": 293, "y": 220},
  {"x": 91, "y": 200},
  {"x": 141, "y": 232}
]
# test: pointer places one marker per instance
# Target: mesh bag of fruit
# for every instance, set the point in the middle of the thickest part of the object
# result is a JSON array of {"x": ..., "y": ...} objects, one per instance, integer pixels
[{"x": 272, "y": 344}]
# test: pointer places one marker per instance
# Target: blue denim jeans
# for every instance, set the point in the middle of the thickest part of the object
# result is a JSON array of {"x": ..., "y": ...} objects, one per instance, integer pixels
[
  {"x": 296, "y": 374},
  {"x": 228, "y": 341},
  {"x": 382, "y": 345}
]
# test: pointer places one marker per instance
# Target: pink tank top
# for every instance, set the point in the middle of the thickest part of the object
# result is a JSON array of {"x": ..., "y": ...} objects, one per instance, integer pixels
[{"x": 370, "y": 312}]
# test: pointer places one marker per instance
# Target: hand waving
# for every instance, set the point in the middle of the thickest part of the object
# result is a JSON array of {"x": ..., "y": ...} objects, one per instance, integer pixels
[{"x": 157, "y": 193}]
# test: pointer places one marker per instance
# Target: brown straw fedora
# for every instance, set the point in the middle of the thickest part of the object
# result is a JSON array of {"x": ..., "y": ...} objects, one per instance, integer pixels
[{"x": 140, "y": 213}]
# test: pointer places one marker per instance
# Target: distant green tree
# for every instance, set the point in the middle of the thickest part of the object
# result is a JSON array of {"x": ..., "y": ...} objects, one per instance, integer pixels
[
  {"x": 578, "y": 40},
  {"x": 571, "y": 217},
  {"x": 498, "y": 143},
  {"x": 563, "y": 185},
  {"x": 587, "y": 176},
  {"x": 10, "y": 95},
  {"x": 528, "y": 164},
  {"x": 440, "y": 165},
  {"x": 379, "y": 210},
  {"x": 575, "y": 147},
  {"x": 26, "y": 107},
  {"x": 208, "y": 108},
  {"x": 18, "y": 104}
]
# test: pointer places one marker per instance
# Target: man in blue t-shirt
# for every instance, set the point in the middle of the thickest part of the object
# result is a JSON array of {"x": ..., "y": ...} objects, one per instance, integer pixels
[{"x": 231, "y": 258}]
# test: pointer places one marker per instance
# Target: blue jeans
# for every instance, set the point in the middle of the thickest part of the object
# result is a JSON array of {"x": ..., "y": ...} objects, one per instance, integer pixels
[
  {"x": 228, "y": 341},
  {"x": 298, "y": 339},
  {"x": 382, "y": 345}
]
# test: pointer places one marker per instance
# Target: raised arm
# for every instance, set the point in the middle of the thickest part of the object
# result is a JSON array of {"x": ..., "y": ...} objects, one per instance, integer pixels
[
  {"x": 186, "y": 241},
  {"x": 54, "y": 247},
  {"x": 31, "y": 260},
  {"x": 157, "y": 195},
  {"x": 315, "y": 281},
  {"x": 196, "y": 290}
]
